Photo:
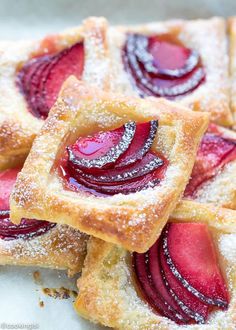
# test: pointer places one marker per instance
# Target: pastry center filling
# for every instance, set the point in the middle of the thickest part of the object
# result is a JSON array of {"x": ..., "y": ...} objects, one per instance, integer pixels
[
  {"x": 215, "y": 151},
  {"x": 41, "y": 78},
  {"x": 112, "y": 162},
  {"x": 179, "y": 276},
  {"x": 27, "y": 228},
  {"x": 160, "y": 67}
]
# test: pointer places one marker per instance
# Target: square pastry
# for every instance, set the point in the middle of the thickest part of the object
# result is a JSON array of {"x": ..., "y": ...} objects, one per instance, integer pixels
[
  {"x": 34, "y": 242},
  {"x": 213, "y": 177},
  {"x": 232, "y": 52},
  {"x": 186, "y": 280},
  {"x": 185, "y": 61},
  {"x": 31, "y": 74},
  {"x": 115, "y": 166}
]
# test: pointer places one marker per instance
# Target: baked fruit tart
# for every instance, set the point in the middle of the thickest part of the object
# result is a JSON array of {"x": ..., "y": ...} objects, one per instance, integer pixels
[
  {"x": 175, "y": 60},
  {"x": 34, "y": 242},
  {"x": 31, "y": 74},
  {"x": 186, "y": 280},
  {"x": 213, "y": 177},
  {"x": 115, "y": 166}
]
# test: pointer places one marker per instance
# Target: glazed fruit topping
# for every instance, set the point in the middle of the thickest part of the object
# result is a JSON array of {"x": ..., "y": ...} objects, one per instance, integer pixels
[
  {"x": 156, "y": 275},
  {"x": 214, "y": 152},
  {"x": 146, "y": 165},
  {"x": 27, "y": 228},
  {"x": 41, "y": 78},
  {"x": 153, "y": 295},
  {"x": 160, "y": 67},
  {"x": 118, "y": 161},
  {"x": 7, "y": 180},
  {"x": 105, "y": 156},
  {"x": 196, "y": 266},
  {"x": 180, "y": 276}
]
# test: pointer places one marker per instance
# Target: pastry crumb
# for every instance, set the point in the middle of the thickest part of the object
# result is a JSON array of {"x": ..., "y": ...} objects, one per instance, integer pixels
[
  {"x": 61, "y": 293},
  {"x": 41, "y": 303},
  {"x": 37, "y": 277}
]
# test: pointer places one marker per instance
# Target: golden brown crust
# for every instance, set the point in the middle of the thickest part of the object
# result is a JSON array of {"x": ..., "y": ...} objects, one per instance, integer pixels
[
  {"x": 18, "y": 127},
  {"x": 221, "y": 189},
  {"x": 212, "y": 96},
  {"x": 218, "y": 218},
  {"x": 133, "y": 220},
  {"x": 107, "y": 294},
  {"x": 61, "y": 248},
  {"x": 232, "y": 66},
  {"x": 12, "y": 161}
]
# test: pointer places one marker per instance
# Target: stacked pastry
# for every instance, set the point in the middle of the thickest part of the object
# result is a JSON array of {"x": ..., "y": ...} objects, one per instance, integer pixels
[{"x": 117, "y": 147}]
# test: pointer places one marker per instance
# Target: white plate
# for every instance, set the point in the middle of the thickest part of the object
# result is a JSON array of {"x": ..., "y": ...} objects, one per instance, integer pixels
[{"x": 20, "y": 295}]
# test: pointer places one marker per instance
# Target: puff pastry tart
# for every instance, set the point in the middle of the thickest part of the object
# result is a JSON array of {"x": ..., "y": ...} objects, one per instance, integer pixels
[
  {"x": 114, "y": 168},
  {"x": 186, "y": 280},
  {"x": 31, "y": 74},
  {"x": 213, "y": 177},
  {"x": 185, "y": 61},
  {"x": 232, "y": 52},
  {"x": 35, "y": 242}
]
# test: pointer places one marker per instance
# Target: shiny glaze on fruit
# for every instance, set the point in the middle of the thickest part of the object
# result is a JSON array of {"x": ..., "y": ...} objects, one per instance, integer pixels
[
  {"x": 179, "y": 276},
  {"x": 112, "y": 162},
  {"x": 161, "y": 66}
]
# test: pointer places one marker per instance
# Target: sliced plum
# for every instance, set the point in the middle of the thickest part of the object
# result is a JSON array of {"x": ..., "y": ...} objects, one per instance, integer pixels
[
  {"x": 70, "y": 62},
  {"x": 27, "y": 74},
  {"x": 141, "y": 144},
  {"x": 104, "y": 156},
  {"x": 161, "y": 68},
  {"x": 148, "y": 164},
  {"x": 34, "y": 95},
  {"x": 138, "y": 141},
  {"x": 118, "y": 161},
  {"x": 72, "y": 184},
  {"x": 27, "y": 228},
  {"x": 191, "y": 257},
  {"x": 189, "y": 303},
  {"x": 97, "y": 145},
  {"x": 79, "y": 183},
  {"x": 154, "y": 267},
  {"x": 7, "y": 181},
  {"x": 183, "y": 62},
  {"x": 38, "y": 94},
  {"x": 148, "y": 181},
  {"x": 213, "y": 154},
  {"x": 41, "y": 78},
  {"x": 182, "y": 269},
  {"x": 148, "y": 290}
]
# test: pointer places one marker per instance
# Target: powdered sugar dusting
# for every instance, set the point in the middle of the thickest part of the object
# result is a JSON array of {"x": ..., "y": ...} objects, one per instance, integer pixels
[
  {"x": 227, "y": 245},
  {"x": 215, "y": 62},
  {"x": 61, "y": 246},
  {"x": 221, "y": 189},
  {"x": 97, "y": 65}
]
